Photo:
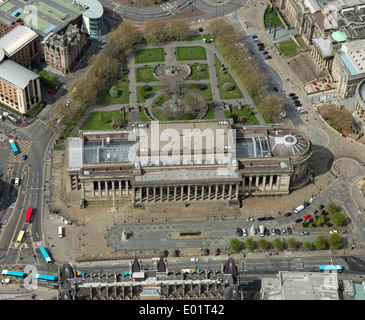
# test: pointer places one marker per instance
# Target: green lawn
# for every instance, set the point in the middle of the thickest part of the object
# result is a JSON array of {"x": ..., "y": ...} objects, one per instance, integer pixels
[
  {"x": 223, "y": 77},
  {"x": 199, "y": 71},
  {"x": 288, "y": 48},
  {"x": 190, "y": 53},
  {"x": 275, "y": 18},
  {"x": 121, "y": 99},
  {"x": 145, "y": 74},
  {"x": 210, "y": 114},
  {"x": 101, "y": 120},
  {"x": 247, "y": 113},
  {"x": 149, "y": 55},
  {"x": 206, "y": 93},
  {"x": 143, "y": 117},
  {"x": 141, "y": 99}
]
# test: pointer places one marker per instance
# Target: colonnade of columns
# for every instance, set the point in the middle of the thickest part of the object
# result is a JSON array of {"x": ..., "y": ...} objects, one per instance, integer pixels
[
  {"x": 185, "y": 193},
  {"x": 99, "y": 189},
  {"x": 324, "y": 64}
]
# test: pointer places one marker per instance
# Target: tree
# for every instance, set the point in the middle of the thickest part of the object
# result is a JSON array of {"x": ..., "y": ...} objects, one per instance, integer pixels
[
  {"x": 179, "y": 29},
  {"x": 292, "y": 243},
  {"x": 334, "y": 241},
  {"x": 278, "y": 244},
  {"x": 249, "y": 244},
  {"x": 235, "y": 244},
  {"x": 338, "y": 218},
  {"x": 331, "y": 208},
  {"x": 263, "y": 244},
  {"x": 307, "y": 245},
  {"x": 271, "y": 107},
  {"x": 116, "y": 123},
  {"x": 320, "y": 242},
  {"x": 155, "y": 31}
]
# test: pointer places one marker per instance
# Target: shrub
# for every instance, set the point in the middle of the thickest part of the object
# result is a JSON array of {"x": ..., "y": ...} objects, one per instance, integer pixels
[
  {"x": 201, "y": 86},
  {"x": 307, "y": 245},
  {"x": 338, "y": 218},
  {"x": 331, "y": 207},
  {"x": 228, "y": 86},
  {"x": 147, "y": 87},
  {"x": 292, "y": 243},
  {"x": 114, "y": 92}
]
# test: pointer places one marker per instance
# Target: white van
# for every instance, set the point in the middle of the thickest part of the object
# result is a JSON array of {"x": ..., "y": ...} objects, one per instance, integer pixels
[
  {"x": 300, "y": 208},
  {"x": 16, "y": 181},
  {"x": 60, "y": 232}
]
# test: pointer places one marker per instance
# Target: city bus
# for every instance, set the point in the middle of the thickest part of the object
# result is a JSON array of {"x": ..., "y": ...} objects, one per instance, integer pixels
[
  {"x": 13, "y": 147},
  {"x": 330, "y": 268},
  {"x": 21, "y": 236},
  {"x": 15, "y": 274},
  {"x": 45, "y": 255},
  {"x": 44, "y": 277},
  {"x": 28, "y": 217}
]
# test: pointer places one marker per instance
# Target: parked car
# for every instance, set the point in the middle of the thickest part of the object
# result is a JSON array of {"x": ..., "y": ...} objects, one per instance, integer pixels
[
  {"x": 307, "y": 216},
  {"x": 306, "y": 204},
  {"x": 283, "y": 230},
  {"x": 278, "y": 232},
  {"x": 297, "y": 104},
  {"x": 252, "y": 52},
  {"x": 268, "y": 57},
  {"x": 288, "y": 214},
  {"x": 294, "y": 97},
  {"x": 261, "y": 49},
  {"x": 250, "y": 219},
  {"x": 300, "y": 108},
  {"x": 282, "y": 91},
  {"x": 254, "y": 37},
  {"x": 194, "y": 259},
  {"x": 245, "y": 234},
  {"x": 282, "y": 115},
  {"x": 260, "y": 44},
  {"x": 24, "y": 157},
  {"x": 273, "y": 232},
  {"x": 261, "y": 219},
  {"x": 304, "y": 233},
  {"x": 239, "y": 232},
  {"x": 275, "y": 89},
  {"x": 344, "y": 232},
  {"x": 267, "y": 232},
  {"x": 298, "y": 220},
  {"x": 303, "y": 111},
  {"x": 333, "y": 232},
  {"x": 291, "y": 94},
  {"x": 265, "y": 52},
  {"x": 312, "y": 199},
  {"x": 321, "y": 206},
  {"x": 269, "y": 218},
  {"x": 289, "y": 230},
  {"x": 314, "y": 211}
]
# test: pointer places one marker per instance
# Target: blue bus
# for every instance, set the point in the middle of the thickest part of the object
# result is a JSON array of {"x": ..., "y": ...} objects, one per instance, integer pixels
[
  {"x": 331, "y": 268},
  {"x": 13, "y": 147},
  {"x": 45, "y": 255},
  {"x": 15, "y": 274},
  {"x": 44, "y": 277}
]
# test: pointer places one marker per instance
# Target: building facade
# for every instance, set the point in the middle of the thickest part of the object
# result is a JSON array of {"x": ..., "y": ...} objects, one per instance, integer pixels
[
  {"x": 204, "y": 161},
  {"x": 19, "y": 87},
  {"x": 62, "y": 51},
  {"x": 360, "y": 100}
]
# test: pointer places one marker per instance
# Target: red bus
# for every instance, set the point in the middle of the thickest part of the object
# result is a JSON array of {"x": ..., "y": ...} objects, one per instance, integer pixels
[{"x": 28, "y": 217}]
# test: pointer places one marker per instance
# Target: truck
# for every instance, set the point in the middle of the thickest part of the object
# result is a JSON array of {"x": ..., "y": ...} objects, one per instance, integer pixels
[
  {"x": 262, "y": 231},
  {"x": 298, "y": 209}
]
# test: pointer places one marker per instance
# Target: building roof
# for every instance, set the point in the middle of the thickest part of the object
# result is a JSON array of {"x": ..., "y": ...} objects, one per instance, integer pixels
[
  {"x": 94, "y": 8},
  {"x": 324, "y": 45},
  {"x": 339, "y": 36},
  {"x": 15, "y": 74},
  {"x": 16, "y": 39},
  {"x": 352, "y": 55}
]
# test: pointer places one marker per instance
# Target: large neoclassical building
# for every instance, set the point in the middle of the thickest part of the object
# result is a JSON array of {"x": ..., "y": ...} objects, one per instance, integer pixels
[{"x": 206, "y": 160}]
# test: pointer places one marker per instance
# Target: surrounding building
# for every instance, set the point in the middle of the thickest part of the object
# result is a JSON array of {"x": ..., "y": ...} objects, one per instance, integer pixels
[
  {"x": 21, "y": 46},
  {"x": 44, "y": 16},
  {"x": 19, "y": 87},
  {"x": 360, "y": 100},
  {"x": 288, "y": 285},
  {"x": 349, "y": 67},
  {"x": 206, "y": 160},
  {"x": 62, "y": 51}
]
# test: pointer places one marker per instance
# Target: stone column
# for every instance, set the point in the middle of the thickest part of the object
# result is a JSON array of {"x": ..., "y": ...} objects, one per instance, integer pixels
[
  {"x": 154, "y": 194},
  {"x": 189, "y": 189},
  {"x": 209, "y": 192},
  {"x": 203, "y": 188},
  {"x": 270, "y": 182},
  {"x": 148, "y": 194},
  {"x": 182, "y": 193},
  {"x": 196, "y": 193},
  {"x": 134, "y": 194},
  {"x": 126, "y": 188},
  {"x": 264, "y": 183},
  {"x": 250, "y": 183},
  {"x": 175, "y": 194},
  {"x": 230, "y": 192},
  {"x": 237, "y": 191},
  {"x": 99, "y": 187},
  {"x": 224, "y": 192},
  {"x": 216, "y": 192},
  {"x": 168, "y": 194},
  {"x": 161, "y": 194}
]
